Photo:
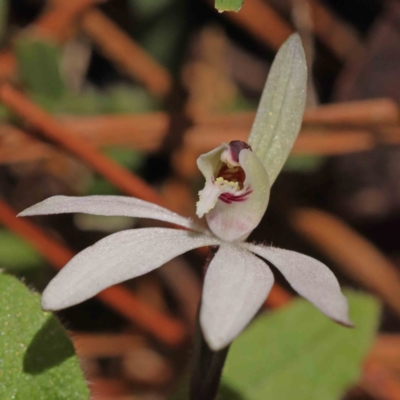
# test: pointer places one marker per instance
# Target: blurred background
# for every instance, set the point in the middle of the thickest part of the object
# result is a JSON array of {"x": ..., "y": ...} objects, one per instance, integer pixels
[{"x": 122, "y": 96}]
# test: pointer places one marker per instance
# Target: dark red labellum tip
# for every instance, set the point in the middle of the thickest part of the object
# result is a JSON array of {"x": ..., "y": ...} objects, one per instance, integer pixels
[{"x": 236, "y": 146}]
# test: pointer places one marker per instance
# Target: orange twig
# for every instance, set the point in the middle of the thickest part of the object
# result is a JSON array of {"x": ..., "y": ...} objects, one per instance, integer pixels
[
  {"x": 59, "y": 17},
  {"x": 121, "y": 49},
  {"x": 336, "y": 34},
  {"x": 105, "y": 345},
  {"x": 373, "y": 112},
  {"x": 260, "y": 19},
  {"x": 58, "y": 133},
  {"x": 118, "y": 298},
  {"x": 380, "y": 381}
]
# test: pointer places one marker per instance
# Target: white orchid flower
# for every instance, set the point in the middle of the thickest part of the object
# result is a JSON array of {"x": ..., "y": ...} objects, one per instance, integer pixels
[{"x": 234, "y": 199}]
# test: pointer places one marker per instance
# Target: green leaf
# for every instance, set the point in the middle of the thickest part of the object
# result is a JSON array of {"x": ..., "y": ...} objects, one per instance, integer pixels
[
  {"x": 299, "y": 354},
  {"x": 280, "y": 112},
  {"x": 228, "y": 5},
  {"x": 39, "y": 66},
  {"x": 16, "y": 254},
  {"x": 37, "y": 358}
]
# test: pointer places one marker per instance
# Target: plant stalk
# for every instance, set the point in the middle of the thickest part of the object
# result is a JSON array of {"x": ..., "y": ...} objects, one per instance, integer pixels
[
  {"x": 207, "y": 368},
  {"x": 207, "y": 364}
]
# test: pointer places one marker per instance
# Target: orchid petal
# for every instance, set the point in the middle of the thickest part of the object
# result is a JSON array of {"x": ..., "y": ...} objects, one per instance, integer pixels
[
  {"x": 310, "y": 278},
  {"x": 116, "y": 258},
  {"x": 209, "y": 162},
  {"x": 109, "y": 206},
  {"x": 235, "y": 286},
  {"x": 234, "y": 221},
  {"x": 280, "y": 112}
]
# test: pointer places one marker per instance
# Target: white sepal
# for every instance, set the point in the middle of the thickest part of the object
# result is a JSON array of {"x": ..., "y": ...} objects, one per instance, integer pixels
[
  {"x": 117, "y": 258},
  {"x": 235, "y": 286},
  {"x": 109, "y": 206},
  {"x": 310, "y": 278}
]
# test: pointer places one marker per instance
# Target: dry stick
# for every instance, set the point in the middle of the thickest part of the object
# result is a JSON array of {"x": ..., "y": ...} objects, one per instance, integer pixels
[
  {"x": 380, "y": 381},
  {"x": 340, "y": 37},
  {"x": 124, "y": 52},
  {"x": 260, "y": 19},
  {"x": 59, "y": 17},
  {"x": 99, "y": 345},
  {"x": 386, "y": 349},
  {"x": 373, "y": 112},
  {"x": 263, "y": 21},
  {"x": 355, "y": 256},
  {"x": 117, "y": 297}
]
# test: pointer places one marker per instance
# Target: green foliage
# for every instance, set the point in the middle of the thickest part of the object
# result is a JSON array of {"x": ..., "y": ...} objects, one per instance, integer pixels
[
  {"x": 299, "y": 354},
  {"x": 228, "y": 5},
  {"x": 39, "y": 66},
  {"x": 16, "y": 254},
  {"x": 37, "y": 358}
]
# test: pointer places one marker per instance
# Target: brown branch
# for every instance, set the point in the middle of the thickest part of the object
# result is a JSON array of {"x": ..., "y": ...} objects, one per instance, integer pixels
[
  {"x": 354, "y": 255},
  {"x": 336, "y": 34},
  {"x": 260, "y": 19},
  {"x": 380, "y": 381},
  {"x": 118, "y": 298},
  {"x": 98, "y": 345},
  {"x": 59, "y": 18},
  {"x": 121, "y": 49}
]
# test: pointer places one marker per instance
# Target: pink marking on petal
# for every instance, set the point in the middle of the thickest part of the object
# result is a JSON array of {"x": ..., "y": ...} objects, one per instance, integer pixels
[{"x": 229, "y": 198}]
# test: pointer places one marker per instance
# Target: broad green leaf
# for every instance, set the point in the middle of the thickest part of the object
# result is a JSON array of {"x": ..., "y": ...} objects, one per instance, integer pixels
[
  {"x": 37, "y": 358},
  {"x": 3, "y": 18},
  {"x": 297, "y": 353},
  {"x": 39, "y": 66},
  {"x": 228, "y": 5},
  {"x": 280, "y": 112},
  {"x": 16, "y": 254}
]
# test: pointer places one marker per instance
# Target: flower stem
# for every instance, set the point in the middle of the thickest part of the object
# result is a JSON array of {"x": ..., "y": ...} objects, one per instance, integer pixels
[
  {"x": 207, "y": 368},
  {"x": 207, "y": 364}
]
